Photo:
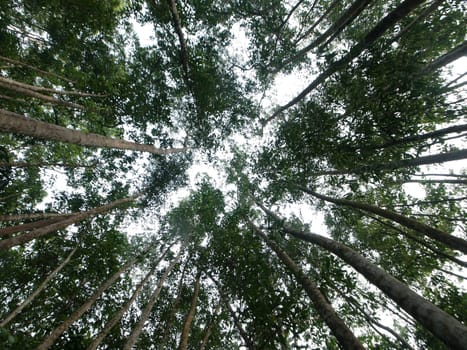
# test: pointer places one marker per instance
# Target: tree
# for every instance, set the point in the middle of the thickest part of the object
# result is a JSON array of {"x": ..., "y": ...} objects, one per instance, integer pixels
[{"x": 363, "y": 147}]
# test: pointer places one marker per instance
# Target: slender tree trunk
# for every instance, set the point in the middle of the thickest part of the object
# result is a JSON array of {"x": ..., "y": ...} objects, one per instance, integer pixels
[
  {"x": 13, "y": 83},
  {"x": 57, "y": 332},
  {"x": 135, "y": 333},
  {"x": 344, "y": 20},
  {"x": 18, "y": 63},
  {"x": 210, "y": 327},
  {"x": 175, "y": 306},
  {"x": 404, "y": 163},
  {"x": 36, "y": 292},
  {"x": 378, "y": 30},
  {"x": 339, "y": 329},
  {"x": 435, "y": 181},
  {"x": 7, "y": 84},
  {"x": 425, "y": 13},
  {"x": 441, "y": 324},
  {"x": 28, "y": 226},
  {"x": 189, "y": 317},
  {"x": 44, "y": 164},
  {"x": 42, "y": 231},
  {"x": 456, "y": 53},
  {"x": 31, "y": 216},
  {"x": 18, "y": 124},
  {"x": 248, "y": 342},
  {"x": 451, "y": 241},
  {"x": 422, "y": 137},
  {"x": 116, "y": 318}
]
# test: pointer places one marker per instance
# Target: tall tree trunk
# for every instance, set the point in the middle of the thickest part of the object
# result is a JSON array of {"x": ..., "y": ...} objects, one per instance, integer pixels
[
  {"x": 28, "y": 226},
  {"x": 175, "y": 306},
  {"x": 403, "y": 163},
  {"x": 31, "y": 216},
  {"x": 435, "y": 181},
  {"x": 441, "y": 324},
  {"x": 344, "y": 20},
  {"x": 210, "y": 327},
  {"x": 39, "y": 289},
  {"x": 44, "y": 164},
  {"x": 57, "y": 332},
  {"x": 135, "y": 333},
  {"x": 18, "y": 63},
  {"x": 14, "y": 83},
  {"x": 378, "y": 30},
  {"x": 422, "y": 137},
  {"x": 189, "y": 317},
  {"x": 116, "y": 318},
  {"x": 18, "y": 124},
  {"x": 451, "y": 241},
  {"x": 39, "y": 232},
  {"x": 451, "y": 56},
  {"x": 248, "y": 342},
  {"x": 14, "y": 86},
  {"x": 339, "y": 329}
]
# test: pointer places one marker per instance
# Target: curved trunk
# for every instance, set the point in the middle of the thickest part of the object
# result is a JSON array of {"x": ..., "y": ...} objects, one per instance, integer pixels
[
  {"x": 39, "y": 289},
  {"x": 339, "y": 329},
  {"x": 189, "y": 317},
  {"x": 451, "y": 241},
  {"x": 116, "y": 318},
  {"x": 19, "y": 124},
  {"x": 57, "y": 332},
  {"x": 378, "y": 30},
  {"x": 441, "y": 324},
  {"x": 133, "y": 337},
  {"x": 39, "y": 232}
]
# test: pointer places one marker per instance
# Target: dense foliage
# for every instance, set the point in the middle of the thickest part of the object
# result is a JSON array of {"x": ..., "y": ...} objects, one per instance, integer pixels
[{"x": 114, "y": 236}]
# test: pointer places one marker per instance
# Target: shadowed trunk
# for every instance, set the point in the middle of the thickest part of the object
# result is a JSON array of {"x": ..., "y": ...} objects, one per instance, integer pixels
[{"x": 189, "y": 317}]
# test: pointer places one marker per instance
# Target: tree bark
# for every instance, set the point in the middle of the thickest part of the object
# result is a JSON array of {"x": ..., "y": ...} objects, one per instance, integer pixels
[
  {"x": 36, "y": 292},
  {"x": 422, "y": 137},
  {"x": 30, "y": 216},
  {"x": 378, "y": 30},
  {"x": 18, "y": 124},
  {"x": 57, "y": 332},
  {"x": 456, "y": 53},
  {"x": 44, "y": 164},
  {"x": 42, "y": 231},
  {"x": 12, "y": 85},
  {"x": 451, "y": 241},
  {"x": 116, "y": 318},
  {"x": 435, "y": 181},
  {"x": 339, "y": 329},
  {"x": 135, "y": 333},
  {"x": 441, "y": 324},
  {"x": 404, "y": 163},
  {"x": 189, "y": 317},
  {"x": 28, "y": 226}
]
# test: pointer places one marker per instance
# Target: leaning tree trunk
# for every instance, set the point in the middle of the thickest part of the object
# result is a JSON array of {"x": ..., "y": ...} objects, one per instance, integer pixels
[
  {"x": 451, "y": 241},
  {"x": 378, "y": 30},
  {"x": 344, "y": 335},
  {"x": 39, "y": 232},
  {"x": 29, "y": 226},
  {"x": 110, "y": 324},
  {"x": 39, "y": 289},
  {"x": 135, "y": 333},
  {"x": 189, "y": 317},
  {"x": 175, "y": 306},
  {"x": 31, "y": 216},
  {"x": 19, "y": 124},
  {"x": 441, "y": 324},
  {"x": 57, "y": 332}
]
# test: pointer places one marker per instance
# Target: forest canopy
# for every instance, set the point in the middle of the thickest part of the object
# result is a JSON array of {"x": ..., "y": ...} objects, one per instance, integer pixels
[{"x": 233, "y": 174}]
